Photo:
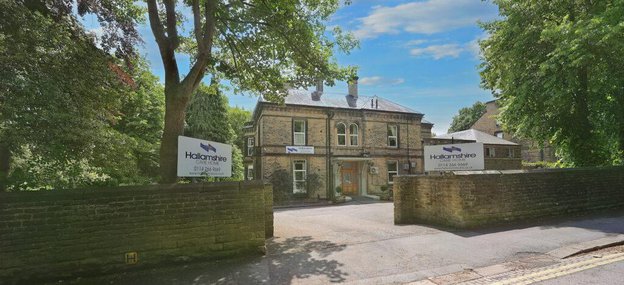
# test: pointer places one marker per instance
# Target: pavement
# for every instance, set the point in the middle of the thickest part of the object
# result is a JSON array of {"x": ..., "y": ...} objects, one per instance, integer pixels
[{"x": 358, "y": 243}]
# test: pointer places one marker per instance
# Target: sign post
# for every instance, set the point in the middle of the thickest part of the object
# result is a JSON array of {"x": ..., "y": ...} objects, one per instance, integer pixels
[
  {"x": 454, "y": 157},
  {"x": 200, "y": 158}
]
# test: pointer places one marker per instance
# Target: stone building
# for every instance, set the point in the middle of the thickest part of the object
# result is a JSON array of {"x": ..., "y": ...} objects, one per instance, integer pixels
[
  {"x": 358, "y": 143},
  {"x": 499, "y": 154},
  {"x": 531, "y": 151}
]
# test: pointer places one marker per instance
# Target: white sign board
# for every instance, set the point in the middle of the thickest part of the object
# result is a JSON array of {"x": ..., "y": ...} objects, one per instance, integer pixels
[
  {"x": 450, "y": 157},
  {"x": 199, "y": 158},
  {"x": 300, "y": 149}
]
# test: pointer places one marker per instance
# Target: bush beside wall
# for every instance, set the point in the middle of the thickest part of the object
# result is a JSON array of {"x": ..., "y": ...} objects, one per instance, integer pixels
[
  {"x": 474, "y": 200},
  {"x": 72, "y": 232}
]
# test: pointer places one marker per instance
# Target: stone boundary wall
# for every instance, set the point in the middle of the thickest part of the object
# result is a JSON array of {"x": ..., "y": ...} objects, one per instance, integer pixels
[
  {"x": 468, "y": 200},
  {"x": 53, "y": 234}
]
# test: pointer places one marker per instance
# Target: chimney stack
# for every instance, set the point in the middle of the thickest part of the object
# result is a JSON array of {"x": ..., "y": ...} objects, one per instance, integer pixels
[
  {"x": 316, "y": 94},
  {"x": 353, "y": 87}
]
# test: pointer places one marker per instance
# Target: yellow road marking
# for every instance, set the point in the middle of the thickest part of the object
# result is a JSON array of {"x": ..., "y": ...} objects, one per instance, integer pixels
[{"x": 561, "y": 270}]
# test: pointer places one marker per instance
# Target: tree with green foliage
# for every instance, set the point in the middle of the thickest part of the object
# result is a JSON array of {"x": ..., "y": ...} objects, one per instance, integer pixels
[
  {"x": 467, "y": 117},
  {"x": 207, "y": 118},
  {"x": 556, "y": 67},
  {"x": 70, "y": 116},
  {"x": 257, "y": 45},
  {"x": 238, "y": 118}
]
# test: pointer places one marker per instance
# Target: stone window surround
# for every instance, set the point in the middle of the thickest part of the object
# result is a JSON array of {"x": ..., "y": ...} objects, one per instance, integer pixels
[
  {"x": 348, "y": 134},
  {"x": 303, "y": 133},
  {"x": 295, "y": 171},
  {"x": 395, "y": 172},
  {"x": 396, "y": 136},
  {"x": 250, "y": 172},
  {"x": 251, "y": 142}
]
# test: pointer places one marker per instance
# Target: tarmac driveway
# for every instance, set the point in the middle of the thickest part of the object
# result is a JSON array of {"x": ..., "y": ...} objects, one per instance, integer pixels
[{"x": 359, "y": 243}]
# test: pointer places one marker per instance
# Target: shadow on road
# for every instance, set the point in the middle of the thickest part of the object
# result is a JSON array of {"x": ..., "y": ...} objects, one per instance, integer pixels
[
  {"x": 303, "y": 258},
  {"x": 299, "y": 258}
]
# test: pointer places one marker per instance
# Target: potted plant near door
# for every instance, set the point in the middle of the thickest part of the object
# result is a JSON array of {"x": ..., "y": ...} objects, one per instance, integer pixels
[
  {"x": 339, "y": 198},
  {"x": 386, "y": 192}
]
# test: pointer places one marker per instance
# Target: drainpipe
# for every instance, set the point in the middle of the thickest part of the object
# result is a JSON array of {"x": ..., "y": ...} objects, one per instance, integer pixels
[{"x": 328, "y": 163}]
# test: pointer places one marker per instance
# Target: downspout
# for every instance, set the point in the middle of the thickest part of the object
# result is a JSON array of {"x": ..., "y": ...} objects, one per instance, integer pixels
[{"x": 330, "y": 179}]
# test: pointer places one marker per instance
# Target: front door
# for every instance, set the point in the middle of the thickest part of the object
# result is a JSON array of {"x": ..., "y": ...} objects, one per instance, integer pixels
[{"x": 350, "y": 178}]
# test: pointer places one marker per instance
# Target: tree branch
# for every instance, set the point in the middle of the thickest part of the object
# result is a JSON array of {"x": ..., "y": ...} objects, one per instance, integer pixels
[
  {"x": 172, "y": 29},
  {"x": 197, "y": 22},
  {"x": 195, "y": 75},
  {"x": 167, "y": 52}
]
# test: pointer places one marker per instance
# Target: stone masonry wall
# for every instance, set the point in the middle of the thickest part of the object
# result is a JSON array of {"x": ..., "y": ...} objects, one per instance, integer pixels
[
  {"x": 73, "y": 232},
  {"x": 473, "y": 200}
]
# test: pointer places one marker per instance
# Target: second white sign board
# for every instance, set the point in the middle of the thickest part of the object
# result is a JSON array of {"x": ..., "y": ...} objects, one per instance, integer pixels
[
  {"x": 200, "y": 158},
  {"x": 454, "y": 157}
]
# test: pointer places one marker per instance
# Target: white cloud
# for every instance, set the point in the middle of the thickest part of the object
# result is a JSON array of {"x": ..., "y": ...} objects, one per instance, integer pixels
[
  {"x": 427, "y": 17},
  {"x": 438, "y": 51},
  {"x": 378, "y": 80}
]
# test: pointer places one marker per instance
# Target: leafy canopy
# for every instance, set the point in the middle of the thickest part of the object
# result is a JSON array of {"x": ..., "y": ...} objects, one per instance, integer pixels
[
  {"x": 556, "y": 68},
  {"x": 467, "y": 117}
]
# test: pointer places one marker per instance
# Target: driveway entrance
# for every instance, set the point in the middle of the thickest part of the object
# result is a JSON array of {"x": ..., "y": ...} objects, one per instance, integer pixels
[{"x": 358, "y": 243}]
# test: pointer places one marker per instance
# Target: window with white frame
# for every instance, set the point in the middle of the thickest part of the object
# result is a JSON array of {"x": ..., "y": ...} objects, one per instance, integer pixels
[
  {"x": 299, "y": 176},
  {"x": 250, "y": 172},
  {"x": 393, "y": 136},
  {"x": 500, "y": 135},
  {"x": 353, "y": 134},
  {"x": 490, "y": 152},
  {"x": 393, "y": 170},
  {"x": 512, "y": 152},
  {"x": 299, "y": 132},
  {"x": 250, "y": 146},
  {"x": 341, "y": 131}
]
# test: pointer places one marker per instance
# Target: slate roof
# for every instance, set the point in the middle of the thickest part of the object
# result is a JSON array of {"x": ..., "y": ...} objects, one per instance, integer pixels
[
  {"x": 477, "y": 136},
  {"x": 334, "y": 100}
]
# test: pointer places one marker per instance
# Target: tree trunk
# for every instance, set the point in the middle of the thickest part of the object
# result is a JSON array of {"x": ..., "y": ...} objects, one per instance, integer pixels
[
  {"x": 581, "y": 135},
  {"x": 5, "y": 165},
  {"x": 175, "y": 113}
]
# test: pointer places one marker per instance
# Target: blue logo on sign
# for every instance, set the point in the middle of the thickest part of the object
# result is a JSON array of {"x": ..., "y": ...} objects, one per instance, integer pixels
[
  {"x": 208, "y": 147},
  {"x": 451, "y": 149},
  {"x": 291, "y": 149}
]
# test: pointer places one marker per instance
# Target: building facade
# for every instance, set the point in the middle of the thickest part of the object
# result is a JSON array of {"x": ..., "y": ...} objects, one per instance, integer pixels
[
  {"x": 531, "y": 150},
  {"x": 351, "y": 144}
]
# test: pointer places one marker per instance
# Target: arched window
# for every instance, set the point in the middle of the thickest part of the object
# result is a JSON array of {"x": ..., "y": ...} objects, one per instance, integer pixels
[
  {"x": 341, "y": 130},
  {"x": 353, "y": 135}
]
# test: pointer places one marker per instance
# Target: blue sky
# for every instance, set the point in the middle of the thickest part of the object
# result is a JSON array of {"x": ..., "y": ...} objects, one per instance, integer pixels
[{"x": 422, "y": 54}]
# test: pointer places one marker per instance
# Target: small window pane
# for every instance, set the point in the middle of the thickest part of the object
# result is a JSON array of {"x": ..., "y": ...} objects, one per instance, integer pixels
[
  {"x": 353, "y": 129},
  {"x": 392, "y": 141},
  {"x": 299, "y": 139},
  {"x": 341, "y": 129},
  {"x": 299, "y": 176},
  {"x": 342, "y": 140},
  {"x": 298, "y": 165},
  {"x": 300, "y": 126},
  {"x": 392, "y": 130},
  {"x": 392, "y": 166}
]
